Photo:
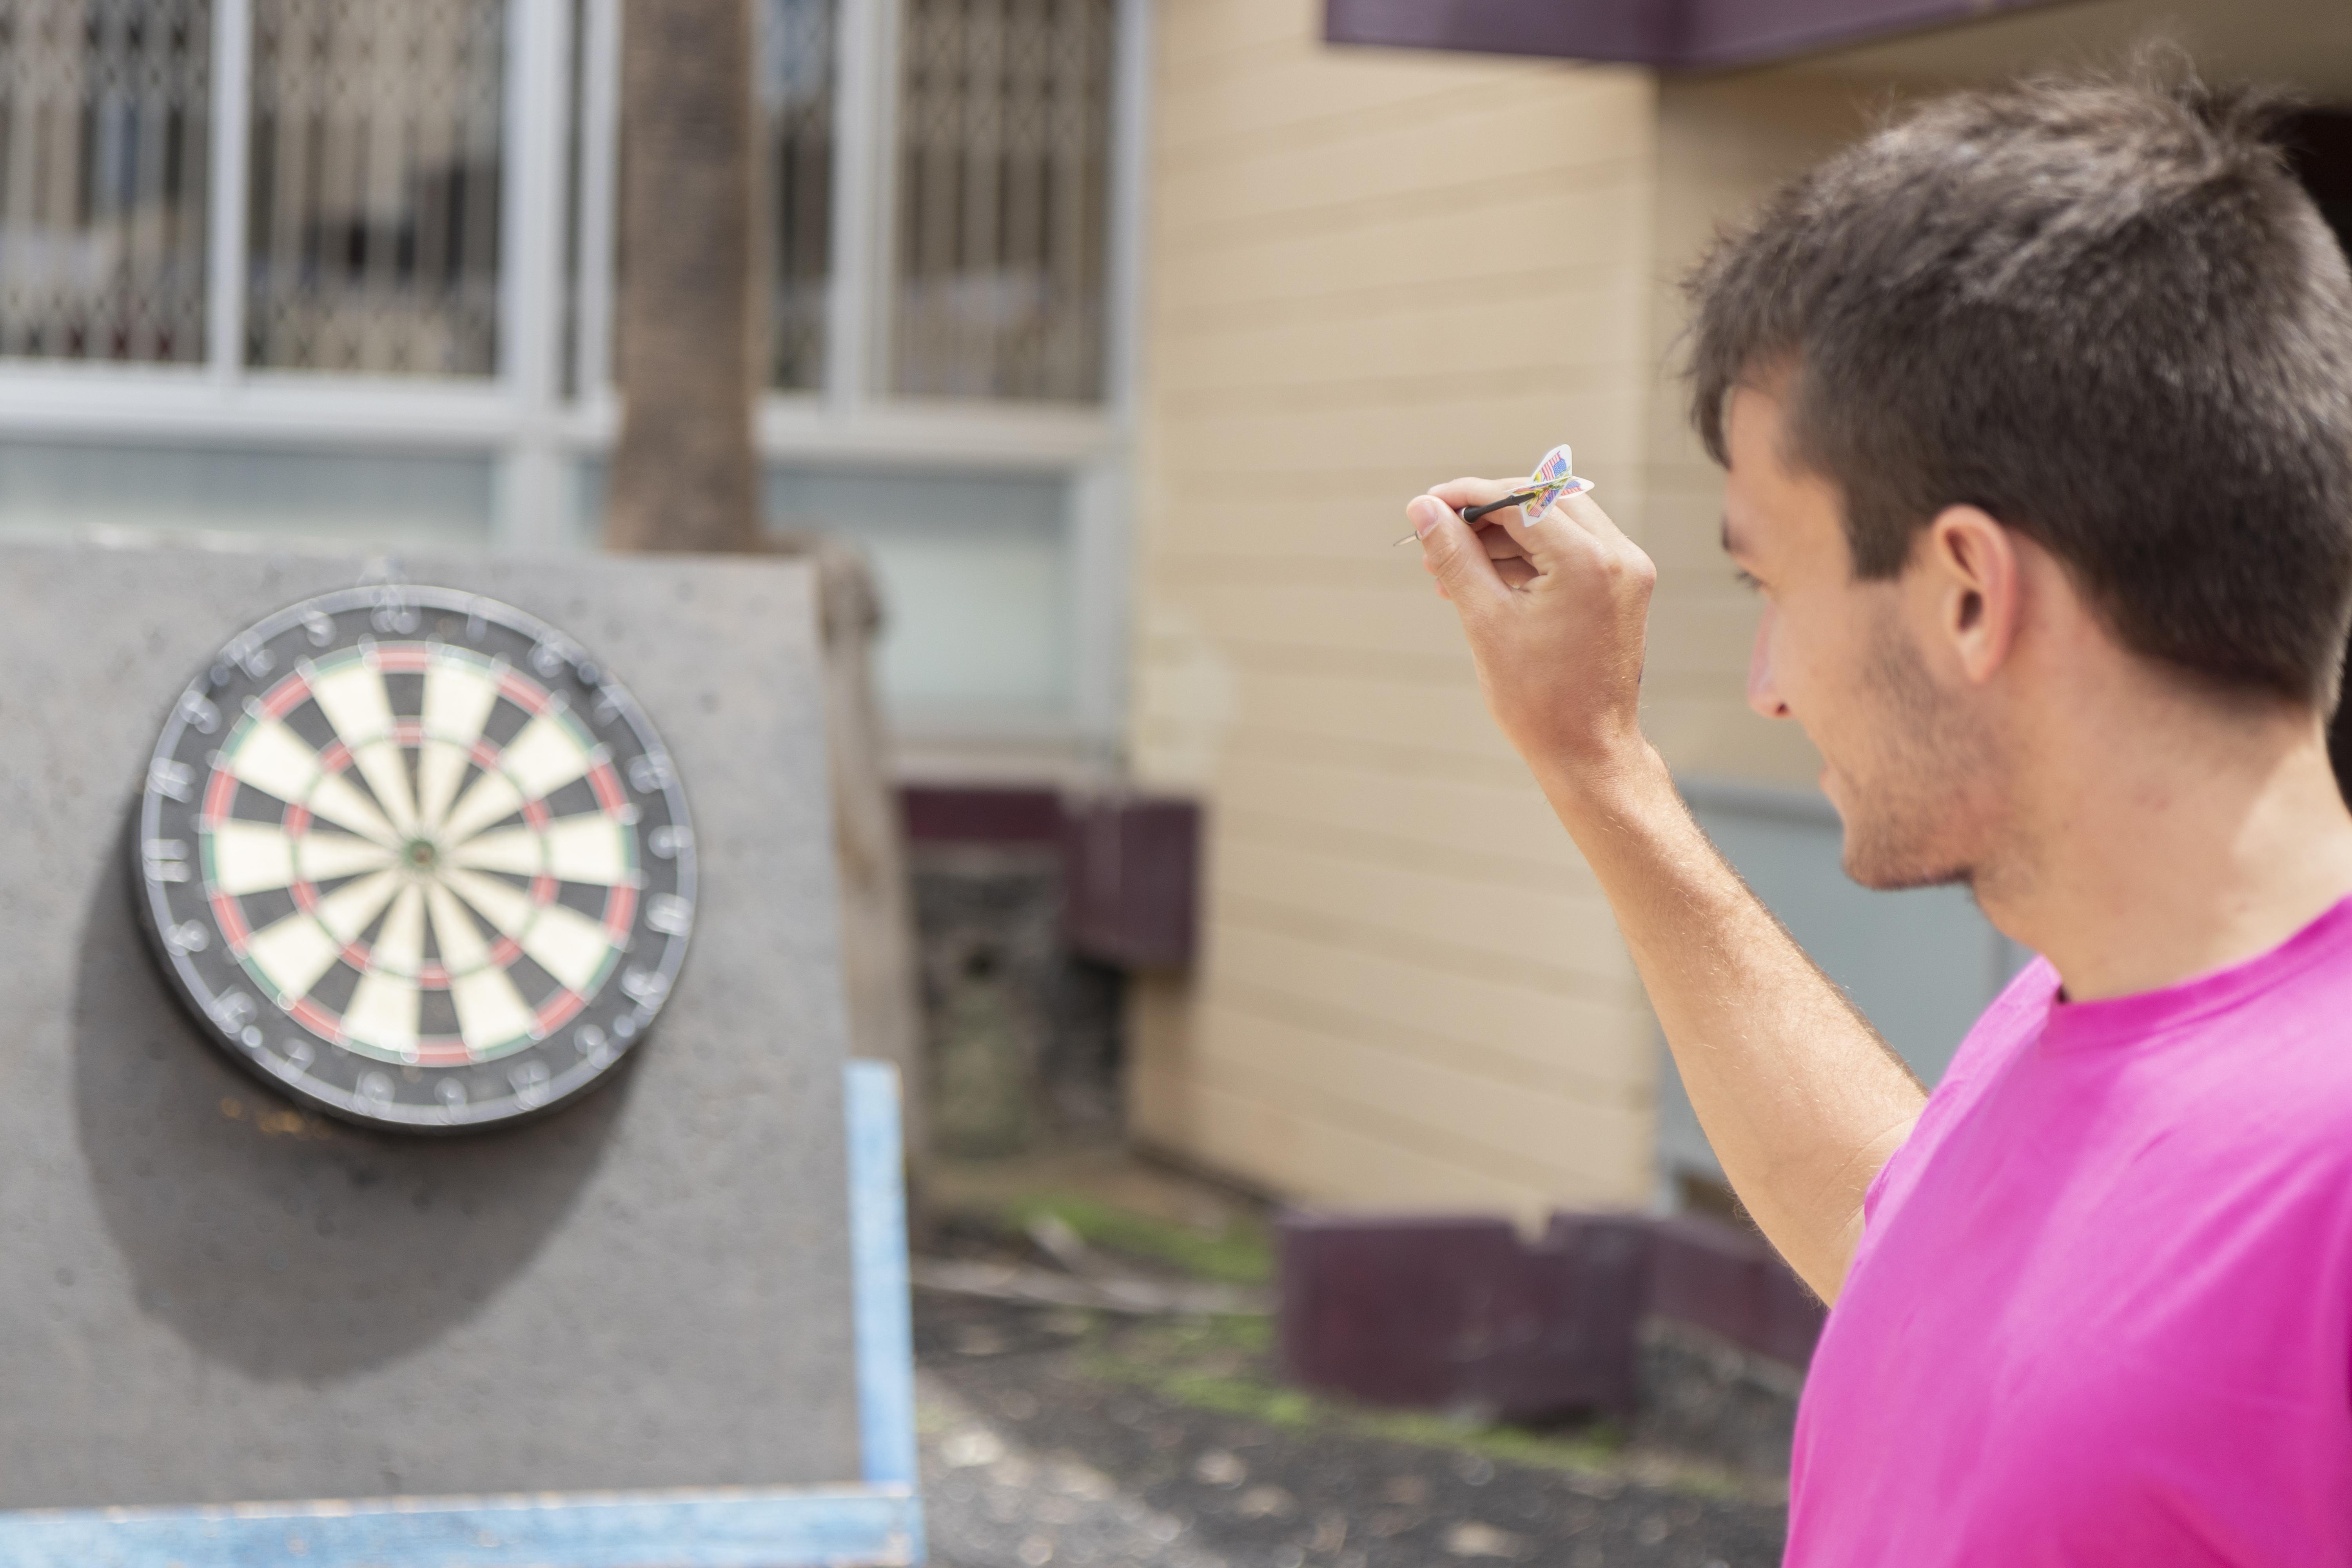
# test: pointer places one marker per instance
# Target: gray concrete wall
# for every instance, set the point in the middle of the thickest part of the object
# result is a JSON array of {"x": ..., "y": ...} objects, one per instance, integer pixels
[
  {"x": 206, "y": 1296},
  {"x": 1920, "y": 964}
]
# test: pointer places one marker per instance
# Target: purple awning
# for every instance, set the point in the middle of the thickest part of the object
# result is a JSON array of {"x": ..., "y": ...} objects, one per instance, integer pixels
[{"x": 1672, "y": 35}]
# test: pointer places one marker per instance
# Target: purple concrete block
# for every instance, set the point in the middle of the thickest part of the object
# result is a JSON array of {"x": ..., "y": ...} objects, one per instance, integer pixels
[
  {"x": 1731, "y": 1283},
  {"x": 1439, "y": 1312},
  {"x": 1131, "y": 880},
  {"x": 1131, "y": 864},
  {"x": 982, "y": 814}
]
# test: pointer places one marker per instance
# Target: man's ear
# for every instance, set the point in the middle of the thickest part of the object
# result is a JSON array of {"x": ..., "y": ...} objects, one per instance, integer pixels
[{"x": 1976, "y": 585}]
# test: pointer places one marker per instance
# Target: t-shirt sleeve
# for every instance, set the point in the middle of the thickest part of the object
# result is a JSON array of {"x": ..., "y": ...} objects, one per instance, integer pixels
[{"x": 1998, "y": 1031}]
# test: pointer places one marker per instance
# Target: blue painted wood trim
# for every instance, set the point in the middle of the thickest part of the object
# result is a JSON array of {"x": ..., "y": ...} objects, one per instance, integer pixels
[
  {"x": 877, "y": 1249},
  {"x": 783, "y": 1528}
]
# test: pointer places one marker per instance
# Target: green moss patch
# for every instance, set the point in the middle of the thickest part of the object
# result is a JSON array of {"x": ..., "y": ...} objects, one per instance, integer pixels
[
  {"x": 1221, "y": 1364},
  {"x": 1242, "y": 1253}
]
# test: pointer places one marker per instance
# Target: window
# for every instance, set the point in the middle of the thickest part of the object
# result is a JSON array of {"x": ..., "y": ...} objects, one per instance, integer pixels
[
  {"x": 794, "y": 82},
  {"x": 344, "y": 270},
  {"x": 966, "y": 179},
  {"x": 1002, "y": 198},
  {"x": 373, "y": 216},
  {"x": 105, "y": 110}
]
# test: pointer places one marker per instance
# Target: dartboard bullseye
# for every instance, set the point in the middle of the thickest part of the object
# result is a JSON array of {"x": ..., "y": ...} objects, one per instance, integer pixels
[{"x": 415, "y": 858}]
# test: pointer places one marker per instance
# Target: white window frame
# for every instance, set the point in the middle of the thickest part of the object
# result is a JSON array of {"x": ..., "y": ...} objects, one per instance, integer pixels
[
  {"x": 511, "y": 414},
  {"x": 519, "y": 417}
]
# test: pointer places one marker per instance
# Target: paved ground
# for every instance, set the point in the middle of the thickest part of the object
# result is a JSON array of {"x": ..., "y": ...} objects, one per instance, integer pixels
[{"x": 1058, "y": 1438}]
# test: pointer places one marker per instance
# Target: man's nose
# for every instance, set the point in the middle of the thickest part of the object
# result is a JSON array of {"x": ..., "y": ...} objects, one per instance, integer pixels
[{"x": 1762, "y": 695}]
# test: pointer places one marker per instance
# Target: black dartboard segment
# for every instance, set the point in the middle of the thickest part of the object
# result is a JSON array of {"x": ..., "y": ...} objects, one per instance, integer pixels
[{"x": 415, "y": 858}]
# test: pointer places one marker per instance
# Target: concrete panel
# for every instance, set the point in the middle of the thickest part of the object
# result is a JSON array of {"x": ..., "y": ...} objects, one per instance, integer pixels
[
  {"x": 212, "y": 1296},
  {"x": 1920, "y": 964}
]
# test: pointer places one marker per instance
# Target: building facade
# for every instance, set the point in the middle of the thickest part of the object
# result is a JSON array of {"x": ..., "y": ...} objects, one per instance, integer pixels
[
  {"x": 338, "y": 273},
  {"x": 1387, "y": 246},
  {"x": 1116, "y": 333}
]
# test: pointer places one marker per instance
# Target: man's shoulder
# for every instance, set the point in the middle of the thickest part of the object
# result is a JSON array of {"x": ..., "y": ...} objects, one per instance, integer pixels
[
  {"x": 2012, "y": 1020},
  {"x": 2263, "y": 1083},
  {"x": 2266, "y": 1083}
]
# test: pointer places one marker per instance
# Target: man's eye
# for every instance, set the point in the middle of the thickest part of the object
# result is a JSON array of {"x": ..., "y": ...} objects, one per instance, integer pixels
[{"x": 1747, "y": 580}]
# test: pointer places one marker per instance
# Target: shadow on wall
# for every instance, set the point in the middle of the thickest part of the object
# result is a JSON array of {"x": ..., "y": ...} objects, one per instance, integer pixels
[{"x": 276, "y": 1240}]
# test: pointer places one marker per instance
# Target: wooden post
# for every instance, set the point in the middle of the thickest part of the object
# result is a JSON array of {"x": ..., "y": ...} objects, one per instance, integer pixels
[
  {"x": 689, "y": 341},
  {"x": 691, "y": 357}
]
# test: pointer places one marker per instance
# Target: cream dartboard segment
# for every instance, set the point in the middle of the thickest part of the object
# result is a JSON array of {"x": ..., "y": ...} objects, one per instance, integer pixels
[{"x": 416, "y": 859}]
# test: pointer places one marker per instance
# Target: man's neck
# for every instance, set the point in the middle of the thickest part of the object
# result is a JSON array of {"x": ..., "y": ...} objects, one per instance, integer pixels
[{"x": 2160, "y": 840}]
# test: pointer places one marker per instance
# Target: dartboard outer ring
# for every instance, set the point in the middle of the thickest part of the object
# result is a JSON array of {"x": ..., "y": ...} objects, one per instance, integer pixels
[{"x": 391, "y": 947}]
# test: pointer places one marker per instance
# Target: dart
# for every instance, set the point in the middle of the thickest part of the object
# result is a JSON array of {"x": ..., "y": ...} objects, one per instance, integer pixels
[
  {"x": 1554, "y": 478},
  {"x": 1549, "y": 491}
]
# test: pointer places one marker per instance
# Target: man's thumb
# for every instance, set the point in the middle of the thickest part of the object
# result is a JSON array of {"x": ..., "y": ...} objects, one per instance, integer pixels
[{"x": 1451, "y": 548}]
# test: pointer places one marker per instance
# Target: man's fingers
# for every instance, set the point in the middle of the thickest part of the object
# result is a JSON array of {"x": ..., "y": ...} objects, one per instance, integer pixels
[
  {"x": 1515, "y": 572},
  {"x": 1586, "y": 514},
  {"x": 1450, "y": 549},
  {"x": 1461, "y": 493},
  {"x": 1573, "y": 535},
  {"x": 1498, "y": 543},
  {"x": 1569, "y": 532}
]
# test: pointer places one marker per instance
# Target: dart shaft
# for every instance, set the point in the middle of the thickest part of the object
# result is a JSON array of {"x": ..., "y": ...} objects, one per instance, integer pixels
[
  {"x": 1523, "y": 494},
  {"x": 1516, "y": 498}
]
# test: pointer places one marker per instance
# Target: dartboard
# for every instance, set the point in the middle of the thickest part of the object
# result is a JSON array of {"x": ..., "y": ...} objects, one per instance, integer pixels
[{"x": 416, "y": 857}]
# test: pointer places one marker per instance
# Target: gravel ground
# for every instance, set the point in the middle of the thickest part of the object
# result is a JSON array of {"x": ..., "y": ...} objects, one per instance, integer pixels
[{"x": 1053, "y": 1437}]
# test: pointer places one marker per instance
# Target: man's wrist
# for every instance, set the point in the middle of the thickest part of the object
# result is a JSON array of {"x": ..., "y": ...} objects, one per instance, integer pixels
[{"x": 1593, "y": 788}]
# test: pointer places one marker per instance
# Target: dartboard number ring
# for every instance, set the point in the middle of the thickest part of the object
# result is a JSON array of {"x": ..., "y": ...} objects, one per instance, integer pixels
[{"x": 416, "y": 858}]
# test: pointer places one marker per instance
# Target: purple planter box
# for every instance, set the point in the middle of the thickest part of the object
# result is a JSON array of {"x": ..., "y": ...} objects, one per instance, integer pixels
[
  {"x": 1131, "y": 864},
  {"x": 1731, "y": 1283},
  {"x": 1461, "y": 1314}
]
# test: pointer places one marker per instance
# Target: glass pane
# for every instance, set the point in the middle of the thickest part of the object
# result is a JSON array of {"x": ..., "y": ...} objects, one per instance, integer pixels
[
  {"x": 373, "y": 220},
  {"x": 974, "y": 568},
  {"x": 194, "y": 495},
  {"x": 1004, "y": 185},
  {"x": 104, "y": 145},
  {"x": 796, "y": 92}
]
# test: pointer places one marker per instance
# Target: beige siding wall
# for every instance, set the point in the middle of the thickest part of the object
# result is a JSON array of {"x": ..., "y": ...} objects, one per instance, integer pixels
[
  {"x": 1722, "y": 148},
  {"x": 1368, "y": 271}
]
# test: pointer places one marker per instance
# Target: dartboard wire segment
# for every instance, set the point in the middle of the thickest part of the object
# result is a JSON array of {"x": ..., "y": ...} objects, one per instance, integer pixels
[{"x": 432, "y": 841}]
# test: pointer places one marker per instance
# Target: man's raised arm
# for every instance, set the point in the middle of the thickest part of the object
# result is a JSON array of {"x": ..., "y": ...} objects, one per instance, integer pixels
[{"x": 1800, "y": 1098}]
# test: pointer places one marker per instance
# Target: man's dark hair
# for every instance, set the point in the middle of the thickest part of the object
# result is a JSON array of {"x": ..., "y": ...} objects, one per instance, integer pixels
[{"x": 2102, "y": 311}]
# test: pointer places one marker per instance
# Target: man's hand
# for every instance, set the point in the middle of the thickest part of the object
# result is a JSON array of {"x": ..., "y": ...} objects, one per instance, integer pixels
[
  {"x": 1800, "y": 1099},
  {"x": 1555, "y": 613}
]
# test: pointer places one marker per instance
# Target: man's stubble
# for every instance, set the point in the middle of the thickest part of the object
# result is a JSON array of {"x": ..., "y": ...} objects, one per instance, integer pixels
[{"x": 1916, "y": 800}]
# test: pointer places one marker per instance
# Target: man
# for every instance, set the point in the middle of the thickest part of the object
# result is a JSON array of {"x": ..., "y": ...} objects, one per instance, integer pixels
[{"x": 2036, "y": 415}]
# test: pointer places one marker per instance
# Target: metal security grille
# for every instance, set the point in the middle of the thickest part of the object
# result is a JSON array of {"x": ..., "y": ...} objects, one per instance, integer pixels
[
  {"x": 373, "y": 222},
  {"x": 796, "y": 85},
  {"x": 1004, "y": 180},
  {"x": 104, "y": 142}
]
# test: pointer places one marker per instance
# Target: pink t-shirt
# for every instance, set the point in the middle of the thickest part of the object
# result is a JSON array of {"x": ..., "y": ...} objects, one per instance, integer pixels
[{"x": 2102, "y": 1309}]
